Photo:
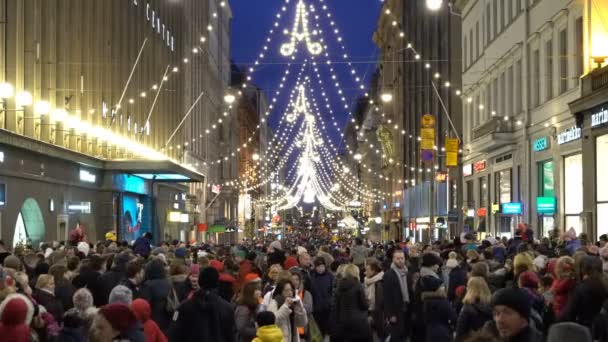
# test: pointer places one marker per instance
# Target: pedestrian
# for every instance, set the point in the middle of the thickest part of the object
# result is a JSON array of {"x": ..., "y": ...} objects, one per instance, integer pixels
[
  {"x": 586, "y": 301},
  {"x": 375, "y": 297},
  {"x": 205, "y": 316},
  {"x": 358, "y": 254},
  {"x": 248, "y": 306},
  {"x": 112, "y": 323},
  {"x": 322, "y": 289},
  {"x": 64, "y": 290},
  {"x": 44, "y": 294},
  {"x": 142, "y": 246},
  {"x": 350, "y": 308},
  {"x": 157, "y": 289},
  {"x": 397, "y": 296},
  {"x": 134, "y": 276},
  {"x": 141, "y": 309},
  {"x": 288, "y": 310},
  {"x": 276, "y": 255},
  {"x": 267, "y": 330},
  {"x": 511, "y": 316},
  {"x": 74, "y": 327},
  {"x": 476, "y": 310},
  {"x": 116, "y": 274},
  {"x": 190, "y": 286},
  {"x": 16, "y": 313},
  {"x": 89, "y": 276},
  {"x": 564, "y": 284},
  {"x": 437, "y": 314},
  {"x": 304, "y": 296}
]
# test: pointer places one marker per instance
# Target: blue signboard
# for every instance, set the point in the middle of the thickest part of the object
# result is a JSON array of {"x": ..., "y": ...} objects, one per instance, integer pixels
[
  {"x": 540, "y": 144},
  {"x": 546, "y": 205},
  {"x": 512, "y": 208}
]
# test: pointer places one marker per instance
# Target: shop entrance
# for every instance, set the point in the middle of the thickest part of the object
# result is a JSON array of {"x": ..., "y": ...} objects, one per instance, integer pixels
[{"x": 29, "y": 228}]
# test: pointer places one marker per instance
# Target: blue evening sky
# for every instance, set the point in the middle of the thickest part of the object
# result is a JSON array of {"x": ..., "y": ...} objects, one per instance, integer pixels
[{"x": 356, "y": 19}]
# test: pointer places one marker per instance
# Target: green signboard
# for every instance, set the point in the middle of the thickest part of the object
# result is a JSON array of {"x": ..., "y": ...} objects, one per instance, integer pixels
[
  {"x": 546, "y": 179},
  {"x": 546, "y": 205},
  {"x": 540, "y": 144}
]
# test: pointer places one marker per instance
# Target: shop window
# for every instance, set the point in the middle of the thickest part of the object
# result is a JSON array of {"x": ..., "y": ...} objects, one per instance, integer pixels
[
  {"x": 546, "y": 181},
  {"x": 602, "y": 185},
  {"x": 573, "y": 191}
]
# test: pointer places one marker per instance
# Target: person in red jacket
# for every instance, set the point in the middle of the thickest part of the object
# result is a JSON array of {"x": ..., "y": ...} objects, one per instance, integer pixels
[
  {"x": 141, "y": 309},
  {"x": 563, "y": 284}
]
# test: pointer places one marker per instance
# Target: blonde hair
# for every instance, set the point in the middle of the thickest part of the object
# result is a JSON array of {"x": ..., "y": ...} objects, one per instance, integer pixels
[
  {"x": 44, "y": 280},
  {"x": 350, "y": 270},
  {"x": 477, "y": 291},
  {"x": 523, "y": 262},
  {"x": 564, "y": 267},
  {"x": 452, "y": 255}
]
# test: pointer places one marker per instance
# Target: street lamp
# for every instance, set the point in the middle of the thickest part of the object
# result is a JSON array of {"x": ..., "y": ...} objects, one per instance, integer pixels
[
  {"x": 434, "y": 5},
  {"x": 386, "y": 97},
  {"x": 6, "y": 90},
  {"x": 42, "y": 108},
  {"x": 23, "y": 99},
  {"x": 229, "y": 98}
]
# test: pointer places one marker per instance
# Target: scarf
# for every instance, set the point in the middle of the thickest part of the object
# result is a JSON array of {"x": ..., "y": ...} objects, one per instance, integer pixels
[
  {"x": 370, "y": 289},
  {"x": 402, "y": 276}
]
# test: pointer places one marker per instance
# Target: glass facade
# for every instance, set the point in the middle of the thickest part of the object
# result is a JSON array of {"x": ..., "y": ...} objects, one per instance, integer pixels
[
  {"x": 573, "y": 192},
  {"x": 602, "y": 184},
  {"x": 546, "y": 188}
]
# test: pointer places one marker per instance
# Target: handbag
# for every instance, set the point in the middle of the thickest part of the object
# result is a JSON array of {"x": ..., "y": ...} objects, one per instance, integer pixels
[{"x": 314, "y": 332}]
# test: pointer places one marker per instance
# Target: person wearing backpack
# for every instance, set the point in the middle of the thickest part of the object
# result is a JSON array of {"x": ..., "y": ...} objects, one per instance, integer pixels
[
  {"x": 476, "y": 310},
  {"x": 157, "y": 290}
]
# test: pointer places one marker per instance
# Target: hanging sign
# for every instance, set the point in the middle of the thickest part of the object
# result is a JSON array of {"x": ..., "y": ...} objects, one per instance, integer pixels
[
  {"x": 482, "y": 212},
  {"x": 480, "y": 166},
  {"x": 467, "y": 170},
  {"x": 512, "y": 208},
  {"x": 451, "y": 152},
  {"x": 428, "y": 121},
  {"x": 427, "y": 138},
  {"x": 540, "y": 144},
  {"x": 546, "y": 205}
]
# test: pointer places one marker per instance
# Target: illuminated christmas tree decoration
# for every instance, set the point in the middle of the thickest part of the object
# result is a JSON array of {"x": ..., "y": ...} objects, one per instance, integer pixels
[{"x": 300, "y": 33}]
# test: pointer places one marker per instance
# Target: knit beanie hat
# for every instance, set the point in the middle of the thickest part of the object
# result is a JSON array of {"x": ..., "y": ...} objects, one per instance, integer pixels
[
  {"x": 276, "y": 245},
  {"x": 451, "y": 263},
  {"x": 430, "y": 284},
  {"x": 195, "y": 269},
  {"x": 83, "y": 247},
  {"x": 251, "y": 277},
  {"x": 120, "y": 317},
  {"x": 16, "y": 313},
  {"x": 218, "y": 265},
  {"x": 529, "y": 280},
  {"x": 515, "y": 299},
  {"x": 121, "y": 294},
  {"x": 13, "y": 262},
  {"x": 83, "y": 299},
  {"x": 180, "y": 252}
]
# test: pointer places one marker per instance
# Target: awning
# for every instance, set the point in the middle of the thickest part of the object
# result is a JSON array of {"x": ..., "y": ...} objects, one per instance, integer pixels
[
  {"x": 159, "y": 171},
  {"x": 218, "y": 228}
]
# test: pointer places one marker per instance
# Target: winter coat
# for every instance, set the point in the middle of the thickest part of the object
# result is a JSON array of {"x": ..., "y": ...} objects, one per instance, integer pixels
[
  {"x": 204, "y": 317},
  {"x": 64, "y": 293},
  {"x": 322, "y": 285},
  {"x": 156, "y": 290},
  {"x": 528, "y": 334},
  {"x": 142, "y": 246},
  {"x": 72, "y": 335},
  {"x": 50, "y": 303},
  {"x": 376, "y": 304},
  {"x": 143, "y": 312},
  {"x": 245, "y": 267},
  {"x": 90, "y": 279},
  {"x": 585, "y": 302},
  {"x": 458, "y": 277},
  {"x": 131, "y": 286},
  {"x": 438, "y": 317},
  {"x": 349, "y": 312},
  {"x": 288, "y": 322},
  {"x": 393, "y": 297},
  {"x": 472, "y": 317},
  {"x": 244, "y": 318},
  {"x": 111, "y": 278},
  {"x": 573, "y": 245},
  {"x": 269, "y": 333},
  {"x": 561, "y": 288}
]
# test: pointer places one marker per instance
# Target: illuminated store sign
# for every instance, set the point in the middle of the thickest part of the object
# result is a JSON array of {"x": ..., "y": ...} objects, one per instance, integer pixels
[
  {"x": 540, "y": 144},
  {"x": 86, "y": 176},
  {"x": 599, "y": 118},
  {"x": 571, "y": 134},
  {"x": 154, "y": 19}
]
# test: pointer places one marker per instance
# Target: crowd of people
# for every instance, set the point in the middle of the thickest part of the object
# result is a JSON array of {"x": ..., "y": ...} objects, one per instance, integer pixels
[{"x": 307, "y": 287}]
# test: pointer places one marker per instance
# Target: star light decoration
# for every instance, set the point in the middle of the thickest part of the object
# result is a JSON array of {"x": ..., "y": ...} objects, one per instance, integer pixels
[{"x": 300, "y": 33}]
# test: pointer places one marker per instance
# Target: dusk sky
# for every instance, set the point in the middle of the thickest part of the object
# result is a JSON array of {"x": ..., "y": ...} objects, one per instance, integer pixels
[{"x": 356, "y": 19}]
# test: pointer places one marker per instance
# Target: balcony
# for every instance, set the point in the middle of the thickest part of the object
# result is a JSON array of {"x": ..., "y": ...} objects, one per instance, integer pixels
[{"x": 493, "y": 134}]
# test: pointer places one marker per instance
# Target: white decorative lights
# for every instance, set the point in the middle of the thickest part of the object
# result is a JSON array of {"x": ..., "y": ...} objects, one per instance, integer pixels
[{"x": 298, "y": 35}]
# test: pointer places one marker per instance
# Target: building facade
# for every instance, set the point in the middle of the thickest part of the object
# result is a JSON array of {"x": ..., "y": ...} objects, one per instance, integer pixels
[
  {"x": 413, "y": 41},
  {"x": 523, "y": 163},
  {"x": 93, "y": 99}
]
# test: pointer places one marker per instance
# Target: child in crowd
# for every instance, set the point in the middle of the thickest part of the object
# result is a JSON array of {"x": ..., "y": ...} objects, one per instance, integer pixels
[{"x": 268, "y": 331}]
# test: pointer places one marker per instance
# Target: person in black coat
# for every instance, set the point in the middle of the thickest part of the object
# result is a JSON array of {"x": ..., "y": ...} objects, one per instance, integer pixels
[
  {"x": 437, "y": 313},
  {"x": 458, "y": 277},
  {"x": 116, "y": 274},
  {"x": 155, "y": 290},
  {"x": 206, "y": 316},
  {"x": 476, "y": 310},
  {"x": 64, "y": 290},
  {"x": 142, "y": 245},
  {"x": 589, "y": 295},
  {"x": 44, "y": 294},
  {"x": 349, "y": 309},
  {"x": 397, "y": 296},
  {"x": 322, "y": 289},
  {"x": 89, "y": 277}
]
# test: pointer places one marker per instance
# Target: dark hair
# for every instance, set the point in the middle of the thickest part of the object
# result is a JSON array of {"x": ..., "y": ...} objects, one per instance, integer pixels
[
  {"x": 319, "y": 261},
  {"x": 265, "y": 318},
  {"x": 374, "y": 265},
  {"x": 278, "y": 291},
  {"x": 480, "y": 269},
  {"x": 246, "y": 295},
  {"x": 58, "y": 273},
  {"x": 546, "y": 280},
  {"x": 96, "y": 262},
  {"x": 73, "y": 263},
  {"x": 592, "y": 267},
  {"x": 134, "y": 267},
  {"x": 358, "y": 241}
]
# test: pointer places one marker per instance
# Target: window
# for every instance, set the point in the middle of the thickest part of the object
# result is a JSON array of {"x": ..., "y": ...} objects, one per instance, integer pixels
[
  {"x": 503, "y": 91},
  {"x": 470, "y": 194},
  {"x": 495, "y": 96},
  {"x": 517, "y": 91},
  {"x": 489, "y": 25},
  {"x": 471, "y": 56},
  {"x": 563, "y": 61},
  {"x": 495, "y": 17},
  {"x": 502, "y": 15},
  {"x": 477, "y": 42},
  {"x": 503, "y": 181},
  {"x": 549, "y": 69},
  {"x": 580, "y": 53},
  {"x": 464, "y": 55},
  {"x": 535, "y": 79},
  {"x": 602, "y": 184},
  {"x": 573, "y": 191},
  {"x": 509, "y": 91},
  {"x": 483, "y": 192},
  {"x": 546, "y": 179}
]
